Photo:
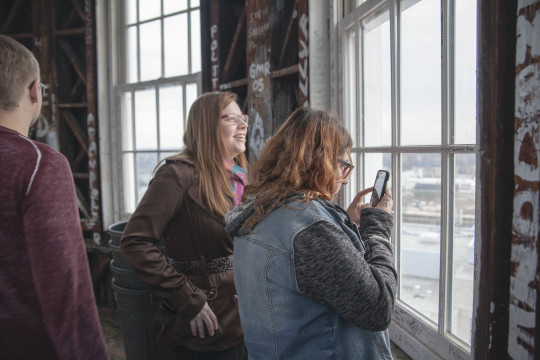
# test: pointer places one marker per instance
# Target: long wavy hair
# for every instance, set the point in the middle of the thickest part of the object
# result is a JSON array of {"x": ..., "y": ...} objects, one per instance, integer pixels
[
  {"x": 205, "y": 148},
  {"x": 300, "y": 157}
]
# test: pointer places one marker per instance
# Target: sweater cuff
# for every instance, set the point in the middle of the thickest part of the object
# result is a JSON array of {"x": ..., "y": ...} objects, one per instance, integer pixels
[{"x": 375, "y": 221}]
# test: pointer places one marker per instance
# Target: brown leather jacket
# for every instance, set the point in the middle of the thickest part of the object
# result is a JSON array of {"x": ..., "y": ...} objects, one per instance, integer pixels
[{"x": 172, "y": 209}]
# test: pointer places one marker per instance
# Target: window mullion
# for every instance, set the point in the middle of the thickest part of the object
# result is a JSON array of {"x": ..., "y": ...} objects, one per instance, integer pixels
[
  {"x": 396, "y": 156},
  {"x": 162, "y": 29},
  {"x": 359, "y": 85},
  {"x": 184, "y": 105},
  {"x": 189, "y": 14},
  {"x": 450, "y": 242},
  {"x": 445, "y": 250},
  {"x": 359, "y": 116},
  {"x": 134, "y": 133},
  {"x": 358, "y": 98},
  {"x": 446, "y": 67},
  {"x": 158, "y": 120},
  {"x": 395, "y": 82},
  {"x": 138, "y": 44},
  {"x": 445, "y": 171}
]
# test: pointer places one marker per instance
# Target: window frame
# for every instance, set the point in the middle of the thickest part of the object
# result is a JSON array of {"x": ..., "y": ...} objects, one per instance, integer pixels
[
  {"x": 408, "y": 330},
  {"x": 111, "y": 30}
]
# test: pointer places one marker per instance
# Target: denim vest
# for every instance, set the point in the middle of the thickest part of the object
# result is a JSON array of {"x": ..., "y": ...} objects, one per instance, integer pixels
[{"x": 278, "y": 320}]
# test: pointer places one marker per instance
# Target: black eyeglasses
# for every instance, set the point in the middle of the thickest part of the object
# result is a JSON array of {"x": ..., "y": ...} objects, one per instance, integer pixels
[
  {"x": 236, "y": 119},
  {"x": 347, "y": 167},
  {"x": 42, "y": 86}
]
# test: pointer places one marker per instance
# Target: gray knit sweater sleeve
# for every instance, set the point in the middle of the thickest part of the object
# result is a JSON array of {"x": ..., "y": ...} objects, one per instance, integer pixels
[{"x": 331, "y": 271}]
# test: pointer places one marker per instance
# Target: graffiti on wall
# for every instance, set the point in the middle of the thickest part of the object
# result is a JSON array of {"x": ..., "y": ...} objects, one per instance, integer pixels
[
  {"x": 259, "y": 76},
  {"x": 304, "y": 58},
  {"x": 525, "y": 222},
  {"x": 93, "y": 177},
  {"x": 257, "y": 140},
  {"x": 214, "y": 59}
]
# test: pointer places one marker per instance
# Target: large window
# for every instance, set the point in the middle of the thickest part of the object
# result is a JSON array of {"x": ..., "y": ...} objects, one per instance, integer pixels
[
  {"x": 158, "y": 80},
  {"x": 409, "y": 101}
]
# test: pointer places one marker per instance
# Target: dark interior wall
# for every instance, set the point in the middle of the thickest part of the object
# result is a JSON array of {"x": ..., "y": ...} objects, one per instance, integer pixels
[
  {"x": 495, "y": 109},
  {"x": 252, "y": 47},
  {"x": 61, "y": 34}
]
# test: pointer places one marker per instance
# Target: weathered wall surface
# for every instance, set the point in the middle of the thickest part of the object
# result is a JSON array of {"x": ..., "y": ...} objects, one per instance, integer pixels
[{"x": 525, "y": 276}]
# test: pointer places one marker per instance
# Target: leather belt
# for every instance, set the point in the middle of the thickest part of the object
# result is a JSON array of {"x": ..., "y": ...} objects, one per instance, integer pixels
[{"x": 196, "y": 267}]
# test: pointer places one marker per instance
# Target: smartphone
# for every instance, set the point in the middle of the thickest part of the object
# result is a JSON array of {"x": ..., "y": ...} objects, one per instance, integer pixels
[{"x": 380, "y": 186}]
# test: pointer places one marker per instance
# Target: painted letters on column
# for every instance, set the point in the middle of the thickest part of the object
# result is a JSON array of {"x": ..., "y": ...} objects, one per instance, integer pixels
[
  {"x": 525, "y": 223},
  {"x": 259, "y": 75},
  {"x": 303, "y": 54},
  {"x": 214, "y": 45}
]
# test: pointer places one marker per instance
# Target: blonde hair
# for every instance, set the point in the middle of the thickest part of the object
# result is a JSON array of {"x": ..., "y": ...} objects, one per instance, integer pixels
[
  {"x": 301, "y": 156},
  {"x": 18, "y": 66},
  {"x": 204, "y": 147}
]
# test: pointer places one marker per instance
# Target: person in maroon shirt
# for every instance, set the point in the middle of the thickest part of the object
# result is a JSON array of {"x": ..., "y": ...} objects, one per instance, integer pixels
[{"x": 47, "y": 305}]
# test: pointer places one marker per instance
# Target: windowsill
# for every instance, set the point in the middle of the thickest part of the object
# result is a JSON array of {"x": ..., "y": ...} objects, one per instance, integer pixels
[{"x": 397, "y": 353}]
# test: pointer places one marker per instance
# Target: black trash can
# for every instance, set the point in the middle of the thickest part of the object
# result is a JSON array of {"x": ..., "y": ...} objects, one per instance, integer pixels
[
  {"x": 115, "y": 232},
  {"x": 126, "y": 277},
  {"x": 137, "y": 309},
  {"x": 134, "y": 309},
  {"x": 136, "y": 305},
  {"x": 117, "y": 257}
]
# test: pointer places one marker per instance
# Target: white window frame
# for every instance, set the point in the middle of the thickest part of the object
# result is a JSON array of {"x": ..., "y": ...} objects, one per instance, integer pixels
[
  {"x": 110, "y": 28},
  {"x": 409, "y": 331}
]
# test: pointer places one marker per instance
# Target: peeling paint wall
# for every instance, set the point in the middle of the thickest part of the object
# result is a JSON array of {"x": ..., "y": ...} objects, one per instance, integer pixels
[{"x": 525, "y": 224}]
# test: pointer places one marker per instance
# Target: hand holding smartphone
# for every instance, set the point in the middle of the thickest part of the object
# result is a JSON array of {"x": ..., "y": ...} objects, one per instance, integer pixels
[
  {"x": 377, "y": 194},
  {"x": 379, "y": 188}
]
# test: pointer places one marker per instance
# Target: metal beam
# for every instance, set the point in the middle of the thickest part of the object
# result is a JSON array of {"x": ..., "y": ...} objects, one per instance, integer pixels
[{"x": 495, "y": 112}]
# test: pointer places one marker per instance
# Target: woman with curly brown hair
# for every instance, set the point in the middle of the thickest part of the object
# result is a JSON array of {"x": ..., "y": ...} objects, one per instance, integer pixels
[{"x": 314, "y": 281}]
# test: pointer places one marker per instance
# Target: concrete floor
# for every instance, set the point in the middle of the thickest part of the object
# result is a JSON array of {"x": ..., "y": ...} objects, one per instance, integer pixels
[{"x": 112, "y": 331}]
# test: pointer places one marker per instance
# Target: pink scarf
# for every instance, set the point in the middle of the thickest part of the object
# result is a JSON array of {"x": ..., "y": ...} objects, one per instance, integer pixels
[{"x": 238, "y": 180}]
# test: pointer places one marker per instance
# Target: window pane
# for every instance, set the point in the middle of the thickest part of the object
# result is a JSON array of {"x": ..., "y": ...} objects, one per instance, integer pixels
[
  {"x": 376, "y": 74},
  {"x": 131, "y": 57},
  {"x": 150, "y": 50},
  {"x": 165, "y": 154},
  {"x": 127, "y": 122},
  {"x": 463, "y": 248},
  {"x": 420, "y": 67},
  {"x": 129, "y": 182},
  {"x": 349, "y": 82},
  {"x": 171, "y": 6},
  {"x": 149, "y": 9},
  {"x": 145, "y": 120},
  {"x": 171, "y": 117},
  {"x": 191, "y": 96},
  {"x": 420, "y": 238},
  {"x": 131, "y": 11},
  {"x": 354, "y": 184},
  {"x": 146, "y": 162},
  {"x": 465, "y": 72},
  {"x": 374, "y": 163},
  {"x": 176, "y": 38},
  {"x": 195, "y": 41}
]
